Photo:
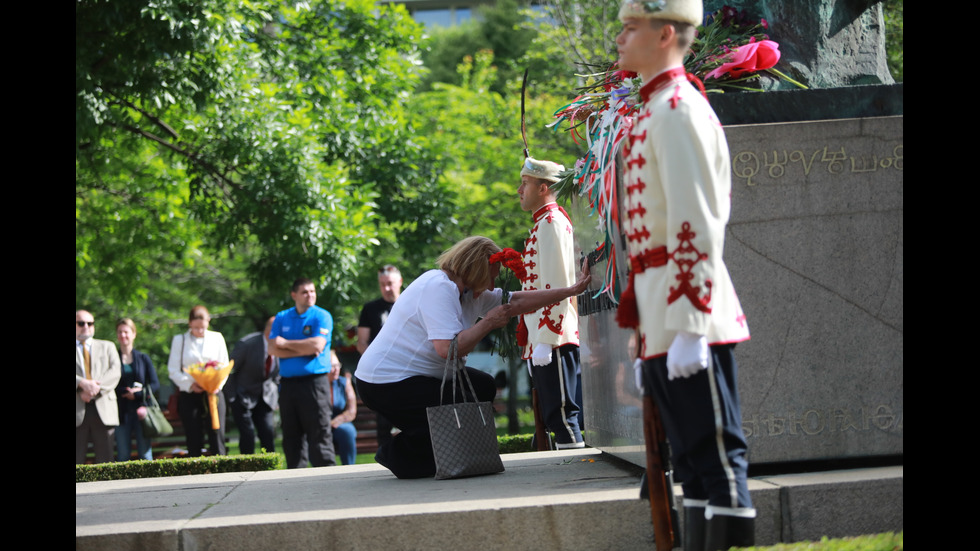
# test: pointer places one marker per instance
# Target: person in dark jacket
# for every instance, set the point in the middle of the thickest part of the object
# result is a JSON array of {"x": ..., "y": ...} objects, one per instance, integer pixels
[
  {"x": 138, "y": 377},
  {"x": 252, "y": 391}
]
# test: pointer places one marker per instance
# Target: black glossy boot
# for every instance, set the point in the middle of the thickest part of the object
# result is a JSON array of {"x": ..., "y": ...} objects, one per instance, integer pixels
[
  {"x": 728, "y": 527},
  {"x": 694, "y": 525}
]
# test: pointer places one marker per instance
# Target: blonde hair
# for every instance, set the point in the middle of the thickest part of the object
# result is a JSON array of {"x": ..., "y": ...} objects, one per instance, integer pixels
[
  {"x": 469, "y": 260},
  {"x": 128, "y": 323}
]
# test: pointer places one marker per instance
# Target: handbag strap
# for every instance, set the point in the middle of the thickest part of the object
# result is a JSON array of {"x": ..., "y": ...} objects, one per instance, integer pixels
[
  {"x": 455, "y": 365},
  {"x": 152, "y": 399}
]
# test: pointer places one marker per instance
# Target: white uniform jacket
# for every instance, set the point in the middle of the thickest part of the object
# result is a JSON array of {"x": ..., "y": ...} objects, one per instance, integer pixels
[
  {"x": 678, "y": 200},
  {"x": 549, "y": 260}
]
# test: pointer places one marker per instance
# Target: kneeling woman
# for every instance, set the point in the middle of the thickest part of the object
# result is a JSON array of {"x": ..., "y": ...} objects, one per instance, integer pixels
[{"x": 401, "y": 371}]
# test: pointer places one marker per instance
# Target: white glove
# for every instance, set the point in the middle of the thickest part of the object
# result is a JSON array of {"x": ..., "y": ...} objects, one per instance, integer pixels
[
  {"x": 638, "y": 374},
  {"x": 541, "y": 355},
  {"x": 687, "y": 355}
]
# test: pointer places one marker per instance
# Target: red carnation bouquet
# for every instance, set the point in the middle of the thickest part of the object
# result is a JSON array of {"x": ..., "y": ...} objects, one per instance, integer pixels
[
  {"x": 510, "y": 339},
  {"x": 512, "y": 260}
]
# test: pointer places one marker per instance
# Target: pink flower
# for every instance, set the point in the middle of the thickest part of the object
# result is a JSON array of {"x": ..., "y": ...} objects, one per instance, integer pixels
[{"x": 749, "y": 58}]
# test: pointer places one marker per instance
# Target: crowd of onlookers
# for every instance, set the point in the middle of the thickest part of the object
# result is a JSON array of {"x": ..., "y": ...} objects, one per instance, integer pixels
[{"x": 288, "y": 367}]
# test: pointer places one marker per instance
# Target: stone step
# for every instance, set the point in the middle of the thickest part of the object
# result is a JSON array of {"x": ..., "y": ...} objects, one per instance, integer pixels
[{"x": 558, "y": 500}]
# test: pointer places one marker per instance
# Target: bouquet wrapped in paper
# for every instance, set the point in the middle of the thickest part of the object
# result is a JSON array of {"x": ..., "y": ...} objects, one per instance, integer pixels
[{"x": 211, "y": 376}]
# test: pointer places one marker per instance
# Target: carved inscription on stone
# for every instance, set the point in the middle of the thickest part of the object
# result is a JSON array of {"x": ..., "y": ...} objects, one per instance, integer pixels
[
  {"x": 810, "y": 422},
  {"x": 747, "y": 165}
]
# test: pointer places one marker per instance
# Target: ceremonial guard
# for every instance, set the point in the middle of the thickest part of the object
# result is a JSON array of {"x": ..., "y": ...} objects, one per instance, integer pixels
[
  {"x": 680, "y": 296},
  {"x": 549, "y": 336}
]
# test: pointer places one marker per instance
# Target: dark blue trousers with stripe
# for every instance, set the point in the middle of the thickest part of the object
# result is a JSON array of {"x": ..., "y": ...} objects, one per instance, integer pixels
[
  {"x": 556, "y": 384},
  {"x": 703, "y": 420}
]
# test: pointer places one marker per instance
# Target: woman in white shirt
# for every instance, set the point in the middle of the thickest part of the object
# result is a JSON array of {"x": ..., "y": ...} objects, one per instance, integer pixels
[
  {"x": 198, "y": 345},
  {"x": 400, "y": 373}
]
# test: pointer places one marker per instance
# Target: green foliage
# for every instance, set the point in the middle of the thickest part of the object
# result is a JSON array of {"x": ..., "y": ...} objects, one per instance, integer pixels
[
  {"x": 524, "y": 417},
  {"x": 225, "y": 148},
  {"x": 445, "y": 50},
  {"x": 579, "y": 33},
  {"x": 479, "y": 140},
  {"x": 509, "y": 39},
  {"x": 257, "y": 113},
  {"x": 178, "y": 467},
  {"x": 500, "y": 28},
  {"x": 477, "y": 132},
  {"x": 894, "y": 38}
]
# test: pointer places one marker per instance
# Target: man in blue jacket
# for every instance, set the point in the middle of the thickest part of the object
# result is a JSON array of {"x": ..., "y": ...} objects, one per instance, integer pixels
[{"x": 300, "y": 338}]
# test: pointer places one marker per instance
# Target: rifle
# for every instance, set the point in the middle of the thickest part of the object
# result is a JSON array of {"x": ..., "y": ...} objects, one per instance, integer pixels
[
  {"x": 660, "y": 487},
  {"x": 542, "y": 436}
]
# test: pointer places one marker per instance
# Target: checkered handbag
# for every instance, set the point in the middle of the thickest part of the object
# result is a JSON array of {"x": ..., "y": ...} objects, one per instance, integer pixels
[{"x": 464, "y": 437}]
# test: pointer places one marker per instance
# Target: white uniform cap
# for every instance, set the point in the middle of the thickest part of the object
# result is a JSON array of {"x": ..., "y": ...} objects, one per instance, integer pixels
[
  {"x": 684, "y": 11},
  {"x": 545, "y": 170}
]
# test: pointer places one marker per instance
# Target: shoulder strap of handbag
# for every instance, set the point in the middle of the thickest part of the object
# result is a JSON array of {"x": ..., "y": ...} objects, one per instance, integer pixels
[
  {"x": 455, "y": 365},
  {"x": 152, "y": 400}
]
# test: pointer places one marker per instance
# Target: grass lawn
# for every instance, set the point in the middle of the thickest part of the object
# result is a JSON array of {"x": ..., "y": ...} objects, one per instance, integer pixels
[{"x": 874, "y": 542}]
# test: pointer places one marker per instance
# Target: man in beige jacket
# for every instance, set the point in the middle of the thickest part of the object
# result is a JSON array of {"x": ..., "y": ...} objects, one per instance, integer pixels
[{"x": 97, "y": 371}]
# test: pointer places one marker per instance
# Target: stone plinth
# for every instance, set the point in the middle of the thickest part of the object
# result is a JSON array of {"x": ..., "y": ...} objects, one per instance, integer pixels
[{"x": 815, "y": 248}]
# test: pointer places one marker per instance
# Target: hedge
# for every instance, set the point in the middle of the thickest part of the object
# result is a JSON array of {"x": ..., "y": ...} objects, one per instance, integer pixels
[
  {"x": 515, "y": 443},
  {"x": 225, "y": 463},
  {"x": 178, "y": 467}
]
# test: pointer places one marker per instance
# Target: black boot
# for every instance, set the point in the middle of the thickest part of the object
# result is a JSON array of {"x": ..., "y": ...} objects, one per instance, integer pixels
[
  {"x": 724, "y": 531},
  {"x": 694, "y": 526}
]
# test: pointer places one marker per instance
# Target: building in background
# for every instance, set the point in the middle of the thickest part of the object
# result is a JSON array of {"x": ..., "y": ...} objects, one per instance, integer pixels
[{"x": 444, "y": 13}]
